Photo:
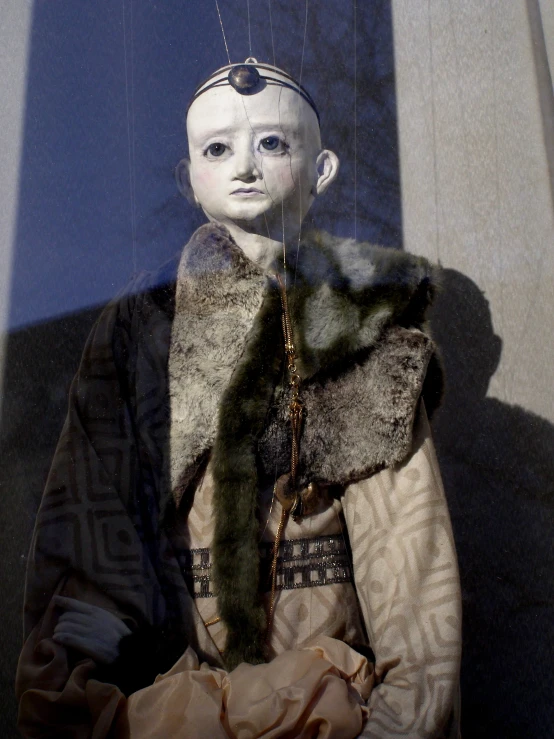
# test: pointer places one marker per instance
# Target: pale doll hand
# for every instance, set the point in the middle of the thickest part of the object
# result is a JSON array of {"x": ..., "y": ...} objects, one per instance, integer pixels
[{"x": 89, "y": 629}]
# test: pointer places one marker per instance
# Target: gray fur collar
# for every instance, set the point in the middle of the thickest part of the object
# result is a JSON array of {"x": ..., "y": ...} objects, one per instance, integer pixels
[
  {"x": 218, "y": 294},
  {"x": 357, "y": 313},
  {"x": 348, "y": 293},
  {"x": 348, "y": 296}
]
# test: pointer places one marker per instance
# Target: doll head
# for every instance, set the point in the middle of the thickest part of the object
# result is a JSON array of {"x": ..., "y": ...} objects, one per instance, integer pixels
[{"x": 256, "y": 160}]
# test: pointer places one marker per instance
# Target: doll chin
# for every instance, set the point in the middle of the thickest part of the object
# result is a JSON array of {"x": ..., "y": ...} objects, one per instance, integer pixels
[{"x": 249, "y": 211}]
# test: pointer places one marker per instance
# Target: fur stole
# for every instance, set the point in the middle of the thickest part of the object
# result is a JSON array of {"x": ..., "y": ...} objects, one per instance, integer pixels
[{"x": 357, "y": 313}]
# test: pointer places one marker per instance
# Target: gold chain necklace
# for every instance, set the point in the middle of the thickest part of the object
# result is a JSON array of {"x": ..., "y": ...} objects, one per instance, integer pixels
[
  {"x": 296, "y": 408},
  {"x": 293, "y": 502}
]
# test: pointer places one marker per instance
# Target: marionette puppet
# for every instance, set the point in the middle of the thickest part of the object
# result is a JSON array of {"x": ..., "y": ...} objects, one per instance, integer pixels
[{"x": 244, "y": 531}]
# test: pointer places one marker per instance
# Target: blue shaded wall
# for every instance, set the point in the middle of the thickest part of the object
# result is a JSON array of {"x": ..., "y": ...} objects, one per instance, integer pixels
[
  {"x": 107, "y": 89},
  {"x": 108, "y": 85}
]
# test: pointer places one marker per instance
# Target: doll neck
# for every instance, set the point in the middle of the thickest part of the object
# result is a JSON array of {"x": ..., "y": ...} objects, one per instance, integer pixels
[{"x": 262, "y": 250}]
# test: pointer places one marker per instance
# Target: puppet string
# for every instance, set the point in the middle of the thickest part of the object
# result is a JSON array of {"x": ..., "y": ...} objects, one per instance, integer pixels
[
  {"x": 261, "y": 159},
  {"x": 249, "y": 30},
  {"x": 355, "y": 124},
  {"x": 300, "y": 189},
  {"x": 304, "y": 42},
  {"x": 271, "y": 30},
  {"x": 223, "y": 31},
  {"x": 130, "y": 129},
  {"x": 276, "y": 545},
  {"x": 296, "y": 411}
]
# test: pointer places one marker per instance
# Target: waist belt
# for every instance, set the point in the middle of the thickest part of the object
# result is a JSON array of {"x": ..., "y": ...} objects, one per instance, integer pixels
[{"x": 301, "y": 563}]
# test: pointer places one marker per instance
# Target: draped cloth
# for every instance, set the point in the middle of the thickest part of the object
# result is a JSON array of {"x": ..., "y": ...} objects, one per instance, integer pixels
[
  {"x": 101, "y": 537},
  {"x": 320, "y": 691},
  {"x": 408, "y": 589}
]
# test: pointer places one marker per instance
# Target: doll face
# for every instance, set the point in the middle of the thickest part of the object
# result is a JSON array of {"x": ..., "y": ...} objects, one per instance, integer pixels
[{"x": 256, "y": 161}]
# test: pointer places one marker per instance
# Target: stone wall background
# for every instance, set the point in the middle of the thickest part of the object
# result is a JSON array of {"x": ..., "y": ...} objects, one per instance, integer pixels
[
  {"x": 465, "y": 89},
  {"x": 476, "y": 133}
]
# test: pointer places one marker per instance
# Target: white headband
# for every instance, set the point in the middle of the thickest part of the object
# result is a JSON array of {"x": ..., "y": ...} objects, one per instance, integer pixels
[{"x": 250, "y": 78}]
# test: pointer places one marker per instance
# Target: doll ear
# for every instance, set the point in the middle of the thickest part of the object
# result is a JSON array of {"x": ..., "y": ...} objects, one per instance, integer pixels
[
  {"x": 182, "y": 179},
  {"x": 327, "y": 164}
]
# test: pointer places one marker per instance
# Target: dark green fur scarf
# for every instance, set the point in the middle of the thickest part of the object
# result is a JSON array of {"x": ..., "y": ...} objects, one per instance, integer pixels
[{"x": 358, "y": 314}]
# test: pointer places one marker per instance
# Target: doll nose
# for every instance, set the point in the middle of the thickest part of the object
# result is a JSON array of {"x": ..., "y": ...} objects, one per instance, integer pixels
[{"x": 246, "y": 165}]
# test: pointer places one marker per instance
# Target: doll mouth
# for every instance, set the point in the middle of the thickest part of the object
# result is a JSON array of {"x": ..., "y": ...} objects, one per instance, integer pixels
[{"x": 247, "y": 192}]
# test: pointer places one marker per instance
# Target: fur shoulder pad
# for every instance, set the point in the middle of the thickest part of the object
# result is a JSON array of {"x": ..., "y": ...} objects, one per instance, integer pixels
[
  {"x": 358, "y": 420},
  {"x": 347, "y": 293}
]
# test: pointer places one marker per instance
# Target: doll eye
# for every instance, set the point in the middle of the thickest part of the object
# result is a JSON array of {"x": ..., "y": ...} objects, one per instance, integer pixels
[
  {"x": 215, "y": 150},
  {"x": 273, "y": 144}
]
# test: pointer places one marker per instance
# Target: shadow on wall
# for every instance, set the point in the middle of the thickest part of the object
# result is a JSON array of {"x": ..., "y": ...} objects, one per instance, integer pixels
[
  {"x": 104, "y": 108},
  {"x": 497, "y": 462},
  {"x": 42, "y": 362}
]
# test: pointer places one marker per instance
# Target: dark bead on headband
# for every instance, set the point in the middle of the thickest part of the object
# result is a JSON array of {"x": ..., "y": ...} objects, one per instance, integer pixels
[{"x": 244, "y": 78}]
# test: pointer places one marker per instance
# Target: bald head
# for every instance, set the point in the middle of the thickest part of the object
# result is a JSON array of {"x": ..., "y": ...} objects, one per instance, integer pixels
[
  {"x": 256, "y": 156},
  {"x": 274, "y": 106}
]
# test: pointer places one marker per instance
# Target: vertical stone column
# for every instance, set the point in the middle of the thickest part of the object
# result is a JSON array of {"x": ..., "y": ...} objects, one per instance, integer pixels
[
  {"x": 546, "y": 14},
  {"x": 474, "y": 129},
  {"x": 476, "y": 139},
  {"x": 15, "y": 23}
]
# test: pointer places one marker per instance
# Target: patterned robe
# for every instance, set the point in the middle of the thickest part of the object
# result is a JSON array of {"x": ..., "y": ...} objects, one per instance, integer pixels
[{"x": 114, "y": 527}]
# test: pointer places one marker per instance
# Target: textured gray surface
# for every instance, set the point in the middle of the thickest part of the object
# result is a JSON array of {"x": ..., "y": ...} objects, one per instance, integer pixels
[
  {"x": 498, "y": 469},
  {"x": 15, "y": 21},
  {"x": 474, "y": 137},
  {"x": 96, "y": 98},
  {"x": 41, "y": 363},
  {"x": 476, "y": 126}
]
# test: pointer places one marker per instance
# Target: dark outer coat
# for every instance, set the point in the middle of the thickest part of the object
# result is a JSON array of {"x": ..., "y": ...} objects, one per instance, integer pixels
[{"x": 112, "y": 498}]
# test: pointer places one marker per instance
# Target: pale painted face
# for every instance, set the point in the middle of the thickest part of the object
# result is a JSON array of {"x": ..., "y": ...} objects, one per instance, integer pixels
[{"x": 256, "y": 161}]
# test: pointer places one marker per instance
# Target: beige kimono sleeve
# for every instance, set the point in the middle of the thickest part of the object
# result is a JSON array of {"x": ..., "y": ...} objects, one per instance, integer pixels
[{"x": 406, "y": 576}]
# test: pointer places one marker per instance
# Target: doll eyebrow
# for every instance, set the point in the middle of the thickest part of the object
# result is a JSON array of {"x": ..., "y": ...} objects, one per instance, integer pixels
[{"x": 274, "y": 129}]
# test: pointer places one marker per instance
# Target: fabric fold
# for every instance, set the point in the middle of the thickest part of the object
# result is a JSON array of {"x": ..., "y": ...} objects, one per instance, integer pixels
[{"x": 319, "y": 691}]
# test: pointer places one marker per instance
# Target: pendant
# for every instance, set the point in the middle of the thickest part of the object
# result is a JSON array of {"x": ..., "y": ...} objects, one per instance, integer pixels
[{"x": 297, "y": 503}]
